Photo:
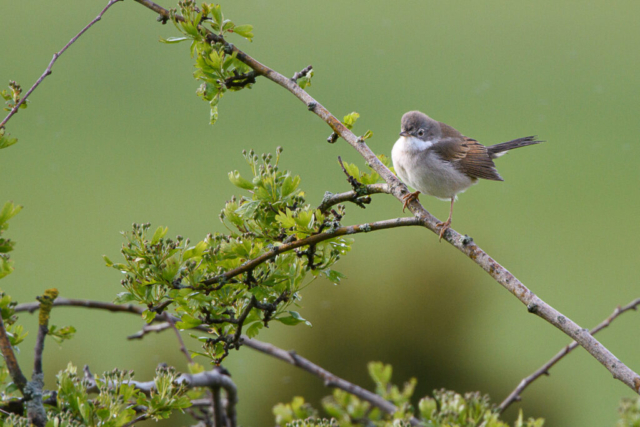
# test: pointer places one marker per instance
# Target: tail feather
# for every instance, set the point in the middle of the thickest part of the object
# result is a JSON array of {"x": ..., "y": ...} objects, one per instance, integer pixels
[{"x": 501, "y": 149}]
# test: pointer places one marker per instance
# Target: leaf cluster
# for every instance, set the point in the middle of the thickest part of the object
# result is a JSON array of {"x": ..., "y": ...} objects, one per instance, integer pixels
[
  {"x": 217, "y": 66},
  {"x": 629, "y": 411},
  {"x": 6, "y": 245},
  {"x": 209, "y": 284},
  {"x": 444, "y": 409},
  {"x": 111, "y": 400}
]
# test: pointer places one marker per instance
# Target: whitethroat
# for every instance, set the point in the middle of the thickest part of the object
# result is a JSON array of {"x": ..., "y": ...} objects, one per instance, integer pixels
[{"x": 437, "y": 160}]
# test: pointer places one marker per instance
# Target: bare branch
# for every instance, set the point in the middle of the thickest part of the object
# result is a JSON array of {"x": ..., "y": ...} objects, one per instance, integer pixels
[
  {"x": 299, "y": 74},
  {"x": 56, "y": 55},
  {"x": 501, "y": 275},
  {"x": 10, "y": 359},
  {"x": 146, "y": 329},
  {"x": 330, "y": 380},
  {"x": 544, "y": 369},
  {"x": 183, "y": 348},
  {"x": 331, "y": 199}
]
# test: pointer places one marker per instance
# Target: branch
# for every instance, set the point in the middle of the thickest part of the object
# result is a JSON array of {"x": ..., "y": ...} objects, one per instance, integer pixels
[
  {"x": 464, "y": 244},
  {"x": 33, "y": 391},
  {"x": 330, "y": 380},
  {"x": 312, "y": 240},
  {"x": 213, "y": 380},
  {"x": 183, "y": 348},
  {"x": 56, "y": 55},
  {"x": 10, "y": 359},
  {"x": 356, "y": 197},
  {"x": 544, "y": 369}
]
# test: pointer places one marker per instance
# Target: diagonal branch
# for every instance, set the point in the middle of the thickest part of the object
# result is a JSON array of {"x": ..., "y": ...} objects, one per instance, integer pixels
[
  {"x": 500, "y": 274},
  {"x": 56, "y": 55},
  {"x": 312, "y": 240},
  {"x": 544, "y": 369}
]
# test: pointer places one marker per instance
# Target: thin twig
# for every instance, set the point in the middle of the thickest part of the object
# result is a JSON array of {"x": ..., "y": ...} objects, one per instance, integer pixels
[
  {"x": 500, "y": 274},
  {"x": 146, "y": 329},
  {"x": 183, "y": 348},
  {"x": 56, "y": 55},
  {"x": 331, "y": 199},
  {"x": 299, "y": 74},
  {"x": 544, "y": 369},
  {"x": 10, "y": 359}
]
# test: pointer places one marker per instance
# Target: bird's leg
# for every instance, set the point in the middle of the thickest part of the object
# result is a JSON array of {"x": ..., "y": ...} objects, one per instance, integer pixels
[
  {"x": 408, "y": 198},
  {"x": 447, "y": 224}
]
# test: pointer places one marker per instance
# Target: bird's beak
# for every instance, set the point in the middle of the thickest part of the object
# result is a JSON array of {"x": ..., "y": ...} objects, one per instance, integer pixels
[{"x": 403, "y": 133}]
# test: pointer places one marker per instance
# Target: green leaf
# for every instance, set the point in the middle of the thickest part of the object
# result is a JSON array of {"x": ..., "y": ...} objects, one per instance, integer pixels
[
  {"x": 107, "y": 261},
  {"x": 244, "y": 31},
  {"x": 213, "y": 116},
  {"x": 248, "y": 209},
  {"x": 239, "y": 181},
  {"x": 253, "y": 330},
  {"x": 9, "y": 210},
  {"x": 294, "y": 318},
  {"x": 195, "y": 251},
  {"x": 6, "y": 140},
  {"x": 289, "y": 185},
  {"x": 124, "y": 297},
  {"x": 149, "y": 315},
  {"x": 350, "y": 120},
  {"x": 172, "y": 40},
  {"x": 159, "y": 234},
  {"x": 216, "y": 13},
  {"x": 368, "y": 134},
  {"x": 188, "y": 322}
]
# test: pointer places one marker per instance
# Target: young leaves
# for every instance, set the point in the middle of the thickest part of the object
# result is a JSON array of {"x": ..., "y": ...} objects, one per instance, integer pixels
[{"x": 207, "y": 283}]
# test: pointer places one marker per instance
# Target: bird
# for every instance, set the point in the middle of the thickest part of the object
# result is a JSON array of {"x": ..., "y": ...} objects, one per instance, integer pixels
[{"x": 436, "y": 159}]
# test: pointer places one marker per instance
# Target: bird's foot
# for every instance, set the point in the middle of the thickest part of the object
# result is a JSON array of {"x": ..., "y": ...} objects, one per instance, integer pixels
[
  {"x": 408, "y": 198},
  {"x": 445, "y": 226}
]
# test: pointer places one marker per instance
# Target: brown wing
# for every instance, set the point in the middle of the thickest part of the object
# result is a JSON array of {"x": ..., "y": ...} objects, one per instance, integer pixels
[{"x": 466, "y": 154}]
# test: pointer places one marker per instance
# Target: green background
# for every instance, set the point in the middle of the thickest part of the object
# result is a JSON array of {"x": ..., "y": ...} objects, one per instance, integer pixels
[{"x": 116, "y": 135}]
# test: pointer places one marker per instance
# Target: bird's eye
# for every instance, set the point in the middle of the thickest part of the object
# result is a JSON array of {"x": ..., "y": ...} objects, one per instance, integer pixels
[{"x": 421, "y": 132}]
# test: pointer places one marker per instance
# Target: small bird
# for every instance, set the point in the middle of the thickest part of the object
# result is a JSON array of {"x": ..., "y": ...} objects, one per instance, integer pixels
[{"x": 437, "y": 160}]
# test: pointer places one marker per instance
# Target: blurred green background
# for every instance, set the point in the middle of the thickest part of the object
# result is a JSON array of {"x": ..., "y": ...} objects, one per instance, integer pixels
[{"x": 116, "y": 135}]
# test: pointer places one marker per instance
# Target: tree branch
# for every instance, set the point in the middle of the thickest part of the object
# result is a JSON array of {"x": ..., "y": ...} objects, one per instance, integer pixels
[
  {"x": 10, "y": 359},
  {"x": 56, "y": 55},
  {"x": 464, "y": 244},
  {"x": 330, "y": 380},
  {"x": 544, "y": 369},
  {"x": 183, "y": 348},
  {"x": 312, "y": 240},
  {"x": 331, "y": 199},
  {"x": 33, "y": 391}
]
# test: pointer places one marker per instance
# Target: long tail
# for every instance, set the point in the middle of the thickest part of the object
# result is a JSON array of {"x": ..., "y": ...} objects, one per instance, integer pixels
[{"x": 501, "y": 149}]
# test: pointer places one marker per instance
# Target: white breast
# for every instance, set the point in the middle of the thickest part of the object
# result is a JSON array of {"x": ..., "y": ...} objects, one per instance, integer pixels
[{"x": 423, "y": 170}]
